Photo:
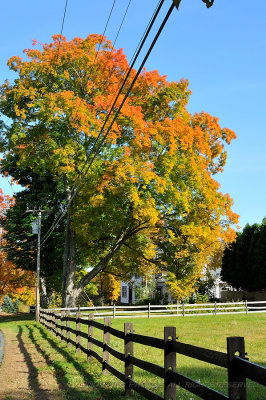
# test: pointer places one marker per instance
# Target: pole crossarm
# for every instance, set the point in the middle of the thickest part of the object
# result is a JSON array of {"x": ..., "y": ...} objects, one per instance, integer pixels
[
  {"x": 209, "y": 3},
  {"x": 176, "y": 3}
]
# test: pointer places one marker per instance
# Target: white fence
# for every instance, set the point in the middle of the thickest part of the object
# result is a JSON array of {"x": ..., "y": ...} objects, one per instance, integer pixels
[{"x": 170, "y": 310}]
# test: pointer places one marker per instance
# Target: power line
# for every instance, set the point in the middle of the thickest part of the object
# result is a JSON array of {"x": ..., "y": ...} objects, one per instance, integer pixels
[
  {"x": 115, "y": 116},
  {"x": 61, "y": 32},
  {"x": 105, "y": 28},
  {"x": 96, "y": 55},
  {"x": 73, "y": 189},
  {"x": 127, "y": 94},
  {"x": 122, "y": 22},
  {"x": 123, "y": 81}
]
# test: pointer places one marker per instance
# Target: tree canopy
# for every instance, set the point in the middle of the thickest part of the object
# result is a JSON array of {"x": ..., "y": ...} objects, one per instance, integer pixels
[
  {"x": 14, "y": 282},
  {"x": 22, "y": 243},
  {"x": 243, "y": 263},
  {"x": 149, "y": 200}
]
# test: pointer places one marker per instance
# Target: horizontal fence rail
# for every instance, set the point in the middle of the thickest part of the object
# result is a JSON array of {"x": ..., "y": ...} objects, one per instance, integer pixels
[
  {"x": 238, "y": 366},
  {"x": 177, "y": 310}
]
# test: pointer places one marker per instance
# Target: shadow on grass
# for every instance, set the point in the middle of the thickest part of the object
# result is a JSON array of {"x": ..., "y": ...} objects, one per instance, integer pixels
[
  {"x": 34, "y": 385},
  {"x": 61, "y": 373},
  {"x": 17, "y": 317}
]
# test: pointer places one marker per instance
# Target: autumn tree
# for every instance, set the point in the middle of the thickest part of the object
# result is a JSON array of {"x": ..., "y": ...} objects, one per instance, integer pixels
[
  {"x": 18, "y": 236},
  {"x": 14, "y": 282},
  {"x": 149, "y": 201}
]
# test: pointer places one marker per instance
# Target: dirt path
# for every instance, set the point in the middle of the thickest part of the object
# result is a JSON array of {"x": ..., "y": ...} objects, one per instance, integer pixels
[
  {"x": 38, "y": 366},
  {"x": 24, "y": 373}
]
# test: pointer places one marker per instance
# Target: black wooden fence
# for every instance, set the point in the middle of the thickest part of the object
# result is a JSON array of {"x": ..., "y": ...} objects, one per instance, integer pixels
[{"x": 238, "y": 366}]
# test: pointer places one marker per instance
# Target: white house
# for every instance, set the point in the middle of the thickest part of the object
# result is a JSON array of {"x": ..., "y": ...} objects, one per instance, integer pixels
[{"x": 128, "y": 289}]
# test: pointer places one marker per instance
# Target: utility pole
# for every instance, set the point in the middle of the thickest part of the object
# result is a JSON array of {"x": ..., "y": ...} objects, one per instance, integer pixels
[{"x": 36, "y": 228}]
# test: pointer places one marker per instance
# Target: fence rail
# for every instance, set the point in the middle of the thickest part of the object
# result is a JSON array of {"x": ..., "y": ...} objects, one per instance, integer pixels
[
  {"x": 178, "y": 310},
  {"x": 239, "y": 368}
]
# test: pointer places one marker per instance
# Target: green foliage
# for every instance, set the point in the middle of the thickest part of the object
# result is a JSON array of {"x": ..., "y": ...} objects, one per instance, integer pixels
[
  {"x": 10, "y": 306},
  {"x": 147, "y": 294},
  {"x": 200, "y": 298},
  {"x": 244, "y": 262},
  {"x": 23, "y": 308},
  {"x": 55, "y": 300},
  {"x": 21, "y": 244},
  {"x": 205, "y": 285}
]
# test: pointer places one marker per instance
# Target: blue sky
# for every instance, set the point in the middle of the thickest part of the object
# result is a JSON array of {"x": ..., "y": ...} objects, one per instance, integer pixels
[{"x": 221, "y": 51}]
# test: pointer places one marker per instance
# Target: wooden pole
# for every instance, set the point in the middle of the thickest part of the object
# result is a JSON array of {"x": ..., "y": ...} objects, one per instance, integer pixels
[
  {"x": 78, "y": 337},
  {"x": 67, "y": 328},
  {"x": 169, "y": 362},
  {"x": 106, "y": 341},
  {"x": 53, "y": 322},
  {"x": 90, "y": 335},
  {"x": 61, "y": 324},
  {"x": 236, "y": 379},
  {"x": 128, "y": 328}
]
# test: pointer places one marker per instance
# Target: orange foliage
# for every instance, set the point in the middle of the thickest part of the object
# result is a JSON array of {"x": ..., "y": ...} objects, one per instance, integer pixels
[{"x": 14, "y": 282}]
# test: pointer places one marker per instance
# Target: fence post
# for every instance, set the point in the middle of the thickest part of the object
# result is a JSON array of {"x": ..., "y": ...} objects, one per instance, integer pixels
[
  {"x": 64, "y": 326},
  {"x": 236, "y": 380},
  {"x": 90, "y": 335},
  {"x": 169, "y": 362},
  {"x": 106, "y": 341},
  {"x": 56, "y": 325},
  {"x": 149, "y": 310},
  {"x": 48, "y": 320},
  {"x": 114, "y": 311},
  {"x": 77, "y": 331},
  {"x": 215, "y": 305},
  {"x": 53, "y": 323},
  {"x": 67, "y": 328},
  {"x": 128, "y": 328},
  {"x": 61, "y": 324},
  {"x": 183, "y": 309},
  {"x": 246, "y": 304}
]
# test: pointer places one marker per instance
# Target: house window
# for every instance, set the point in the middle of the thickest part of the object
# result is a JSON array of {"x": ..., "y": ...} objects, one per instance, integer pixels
[{"x": 124, "y": 291}]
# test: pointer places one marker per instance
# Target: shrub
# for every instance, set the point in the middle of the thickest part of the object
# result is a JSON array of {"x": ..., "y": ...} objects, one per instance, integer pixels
[{"x": 10, "y": 306}]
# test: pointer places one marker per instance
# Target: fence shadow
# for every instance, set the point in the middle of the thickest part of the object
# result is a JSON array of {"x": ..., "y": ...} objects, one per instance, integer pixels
[
  {"x": 33, "y": 374},
  {"x": 61, "y": 373}
]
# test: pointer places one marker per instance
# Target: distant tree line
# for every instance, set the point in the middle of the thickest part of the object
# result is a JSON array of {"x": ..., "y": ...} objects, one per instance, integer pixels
[{"x": 244, "y": 262}]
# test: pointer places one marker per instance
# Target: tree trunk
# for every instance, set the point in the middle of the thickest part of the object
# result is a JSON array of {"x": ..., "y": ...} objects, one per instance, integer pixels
[
  {"x": 102, "y": 264},
  {"x": 69, "y": 295},
  {"x": 44, "y": 295},
  {"x": 69, "y": 268}
]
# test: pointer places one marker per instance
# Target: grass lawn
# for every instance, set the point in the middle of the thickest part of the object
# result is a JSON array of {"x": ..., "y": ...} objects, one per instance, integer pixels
[{"x": 79, "y": 379}]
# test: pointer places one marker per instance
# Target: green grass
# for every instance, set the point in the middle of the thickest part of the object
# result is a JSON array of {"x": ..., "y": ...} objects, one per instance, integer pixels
[
  {"x": 80, "y": 379},
  {"x": 206, "y": 331}
]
